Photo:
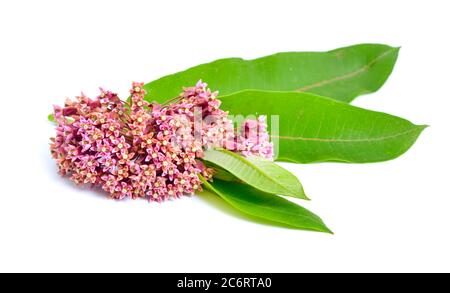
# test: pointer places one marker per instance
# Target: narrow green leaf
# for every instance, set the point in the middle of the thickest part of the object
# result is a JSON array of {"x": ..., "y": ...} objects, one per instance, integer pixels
[
  {"x": 341, "y": 74},
  {"x": 257, "y": 172},
  {"x": 266, "y": 206},
  {"x": 318, "y": 129}
]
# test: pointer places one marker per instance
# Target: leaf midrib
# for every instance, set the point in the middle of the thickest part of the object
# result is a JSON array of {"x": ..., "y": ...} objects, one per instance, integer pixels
[
  {"x": 310, "y": 218},
  {"x": 348, "y": 75},
  {"x": 284, "y": 211},
  {"x": 254, "y": 167},
  {"x": 381, "y": 138}
]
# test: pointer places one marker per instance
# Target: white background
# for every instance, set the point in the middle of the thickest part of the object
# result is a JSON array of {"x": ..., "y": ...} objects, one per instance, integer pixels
[{"x": 387, "y": 217}]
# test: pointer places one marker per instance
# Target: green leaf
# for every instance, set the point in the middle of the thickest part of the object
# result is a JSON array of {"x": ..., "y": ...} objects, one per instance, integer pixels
[
  {"x": 266, "y": 206},
  {"x": 341, "y": 74},
  {"x": 257, "y": 172},
  {"x": 318, "y": 129}
]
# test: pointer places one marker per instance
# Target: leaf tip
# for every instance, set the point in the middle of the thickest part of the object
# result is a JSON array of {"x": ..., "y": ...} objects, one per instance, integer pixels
[
  {"x": 323, "y": 229},
  {"x": 305, "y": 197},
  {"x": 327, "y": 230},
  {"x": 422, "y": 127}
]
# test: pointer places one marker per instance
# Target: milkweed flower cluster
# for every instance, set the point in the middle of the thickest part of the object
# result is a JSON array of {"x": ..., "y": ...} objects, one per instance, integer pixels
[
  {"x": 254, "y": 139},
  {"x": 139, "y": 149}
]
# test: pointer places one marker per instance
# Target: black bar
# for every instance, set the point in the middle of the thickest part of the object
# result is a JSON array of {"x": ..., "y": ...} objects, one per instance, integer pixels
[{"x": 208, "y": 282}]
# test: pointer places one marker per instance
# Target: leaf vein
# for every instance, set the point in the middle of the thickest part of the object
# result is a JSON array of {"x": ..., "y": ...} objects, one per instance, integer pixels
[
  {"x": 346, "y": 140},
  {"x": 346, "y": 75}
]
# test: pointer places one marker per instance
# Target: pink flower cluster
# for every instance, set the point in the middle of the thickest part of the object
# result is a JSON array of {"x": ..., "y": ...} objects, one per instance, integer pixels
[
  {"x": 254, "y": 140},
  {"x": 217, "y": 130},
  {"x": 138, "y": 149}
]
